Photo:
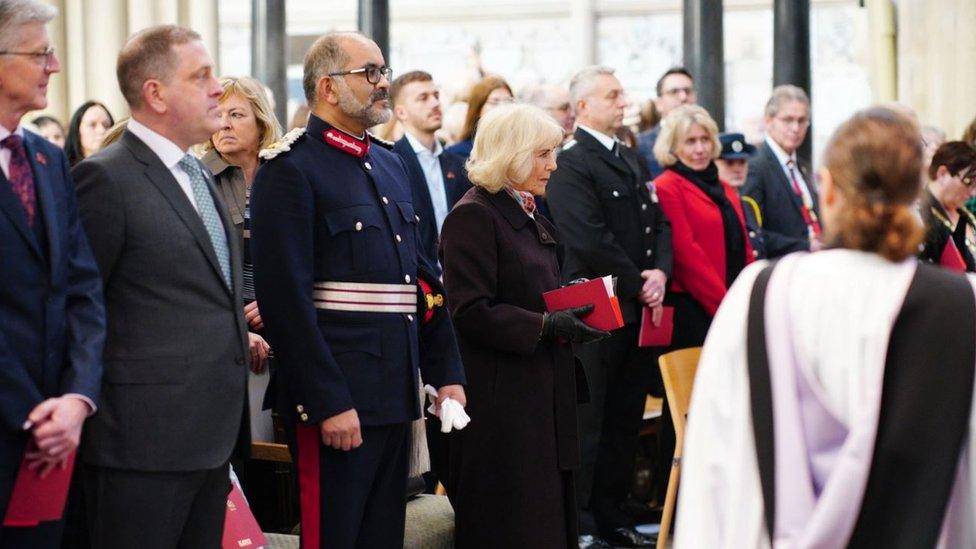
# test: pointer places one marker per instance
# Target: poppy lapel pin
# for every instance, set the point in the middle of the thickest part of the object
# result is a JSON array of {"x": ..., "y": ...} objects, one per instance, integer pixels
[{"x": 41, "y": 159}]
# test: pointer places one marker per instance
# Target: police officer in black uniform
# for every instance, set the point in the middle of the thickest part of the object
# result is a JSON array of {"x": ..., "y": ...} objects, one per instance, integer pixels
[
  {"x": 337, "y": 268},
  {"x": 611, "y": 225}
]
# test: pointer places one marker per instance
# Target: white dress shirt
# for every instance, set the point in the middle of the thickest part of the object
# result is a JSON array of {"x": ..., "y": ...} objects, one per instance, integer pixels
[
  {"x": 168, "y": 152},
  {"x": 783, "y": 158},
  {"x": 4, "y": 151},
  {"x": 431, "y": 165},
  {"x": 604, "y": 139}
]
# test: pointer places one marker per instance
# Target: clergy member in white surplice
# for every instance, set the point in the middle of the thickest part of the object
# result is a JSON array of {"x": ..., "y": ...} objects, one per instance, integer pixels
[{"x": 849, "y": 424}]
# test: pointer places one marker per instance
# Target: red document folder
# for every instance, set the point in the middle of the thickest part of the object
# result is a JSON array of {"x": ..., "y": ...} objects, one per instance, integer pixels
[
  {"x": 656, "y": 336},
  {"x": 951, "y": 258},
  {"x": 598, "y": 292},
  {"x": 241, "y": 529},
  {"x": 34, "y": 499}
]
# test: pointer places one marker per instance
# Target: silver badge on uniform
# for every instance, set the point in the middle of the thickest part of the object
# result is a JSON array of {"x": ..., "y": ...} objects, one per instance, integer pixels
[{"x": 652, "y": 190}]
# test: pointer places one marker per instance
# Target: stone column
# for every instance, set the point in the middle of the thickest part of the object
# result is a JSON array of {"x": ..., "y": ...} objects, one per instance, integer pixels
[
  {"x": 704, "y": 54},
  {"x": 268, "y": 55},
  {"x": 883, "y": 41},
  {"x": 582, "y": 15},
  {"x": 936, "y": 48},
  {"x": 374, "y": 22},
  {"x": 791, "y": 51}
]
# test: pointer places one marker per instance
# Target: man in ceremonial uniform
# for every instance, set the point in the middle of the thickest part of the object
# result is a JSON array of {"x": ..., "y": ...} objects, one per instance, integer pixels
[{"x": 338, "y": 271}]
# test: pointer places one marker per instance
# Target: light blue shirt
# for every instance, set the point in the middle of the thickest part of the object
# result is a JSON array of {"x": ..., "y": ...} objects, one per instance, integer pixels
[{"x": 431, "y": 166}]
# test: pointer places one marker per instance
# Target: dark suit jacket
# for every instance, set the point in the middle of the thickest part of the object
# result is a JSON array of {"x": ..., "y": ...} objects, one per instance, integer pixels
[
  {"x": 174, "y": 390},
  {"x": 606, "y": 217},
  {"x": 455, "y": 182},
  {"x": 52, "y": 317},
  {"x": 645, "y": 149},
  {"x": 783, "y": 226},
  {"x": 521, "y": 390}
]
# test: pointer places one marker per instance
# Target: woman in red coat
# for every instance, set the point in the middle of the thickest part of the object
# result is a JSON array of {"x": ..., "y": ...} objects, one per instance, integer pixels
[{"x": 708, "y": 226}]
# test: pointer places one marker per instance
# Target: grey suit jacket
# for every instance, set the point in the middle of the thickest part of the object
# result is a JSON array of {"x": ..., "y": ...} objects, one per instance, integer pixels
[{"x": 175, "y": 379}]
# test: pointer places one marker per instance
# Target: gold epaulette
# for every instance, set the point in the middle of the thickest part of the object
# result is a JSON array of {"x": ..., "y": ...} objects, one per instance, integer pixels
[
  {"x": 381, "y": 142},
  {"x": 755, "y": 208},
  {"x": 282, "y": 145}
]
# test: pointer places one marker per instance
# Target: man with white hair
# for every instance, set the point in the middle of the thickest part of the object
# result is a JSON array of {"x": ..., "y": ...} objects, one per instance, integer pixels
[
  {"x": 555, "y": 100},
  {"x": 610, "y": 224},
  {"x": 780, "y": 182},
  {"x": 349, "y": 302},
  {"x": 52, "y": 316}
]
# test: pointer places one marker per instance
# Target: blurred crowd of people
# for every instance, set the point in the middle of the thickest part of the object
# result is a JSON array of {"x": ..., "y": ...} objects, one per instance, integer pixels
[{"x": 413, "y": 255}]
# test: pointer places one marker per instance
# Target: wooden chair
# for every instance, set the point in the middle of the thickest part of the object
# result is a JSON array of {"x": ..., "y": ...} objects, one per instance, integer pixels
[{"x": 678, "y": 370}]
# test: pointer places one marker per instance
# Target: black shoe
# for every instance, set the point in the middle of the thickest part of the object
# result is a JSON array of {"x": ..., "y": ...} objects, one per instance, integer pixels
[
  {"x": 588, "y": 541},
  {"x": 628, "y": 537}
]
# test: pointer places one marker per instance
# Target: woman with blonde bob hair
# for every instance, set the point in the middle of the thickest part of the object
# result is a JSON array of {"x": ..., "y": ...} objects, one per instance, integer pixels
[
  {"x": 499, "y": 257},
  {"x": 833, "y": 398},
  {"x": 708, "y": 225},
  {"x": 247, "y": 125}
]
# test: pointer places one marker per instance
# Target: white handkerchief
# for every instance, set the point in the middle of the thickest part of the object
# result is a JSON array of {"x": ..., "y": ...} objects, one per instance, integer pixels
[{"x": 452, "y": 414}]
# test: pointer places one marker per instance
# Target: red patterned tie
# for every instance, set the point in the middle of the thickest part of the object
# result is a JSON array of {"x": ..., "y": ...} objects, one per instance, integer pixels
[
  {"x": 20, "y": 176},
  {"x": 809, "y": 217},
  {"x": 528, "y": 202}
]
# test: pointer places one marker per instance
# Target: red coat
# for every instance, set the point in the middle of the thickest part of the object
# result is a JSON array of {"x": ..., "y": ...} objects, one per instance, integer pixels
[{"x": 698, "y": 238}]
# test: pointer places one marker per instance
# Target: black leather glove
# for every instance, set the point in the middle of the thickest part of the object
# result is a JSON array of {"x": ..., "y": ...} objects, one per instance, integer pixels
[{"x": 567, "y": 324}]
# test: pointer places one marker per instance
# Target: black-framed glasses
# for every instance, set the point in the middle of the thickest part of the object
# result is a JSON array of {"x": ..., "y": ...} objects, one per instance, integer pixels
[
  {"x": 373, "y": 73},
  {"x": 47, "y": 55}
]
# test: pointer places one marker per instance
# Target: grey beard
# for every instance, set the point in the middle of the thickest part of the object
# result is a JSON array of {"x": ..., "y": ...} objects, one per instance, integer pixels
[{"x": 366, "y": 114}]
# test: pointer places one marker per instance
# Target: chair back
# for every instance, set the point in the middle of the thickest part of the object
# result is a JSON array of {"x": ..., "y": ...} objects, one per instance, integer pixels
[{"x": 678, "y": 371}]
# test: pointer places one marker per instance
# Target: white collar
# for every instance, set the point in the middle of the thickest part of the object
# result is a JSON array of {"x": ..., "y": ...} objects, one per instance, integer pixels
[
  {"x": 419, "y": 147},
  {"x": 604, "y": 139},
  {"x": 4, "y": 132},
  {"x": 167, "y": 151},
  {"x": 780, "y": 153}
]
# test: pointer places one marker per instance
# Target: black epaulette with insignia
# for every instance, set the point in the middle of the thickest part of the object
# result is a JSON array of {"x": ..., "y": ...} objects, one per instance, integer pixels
[{"x": 388, "y": 145}]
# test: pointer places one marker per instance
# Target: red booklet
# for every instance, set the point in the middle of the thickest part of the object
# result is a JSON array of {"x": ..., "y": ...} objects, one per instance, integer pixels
[
  {"x": 951, "y": 258},
  {"x": 34, "y": 499},
  {"x": 656, "y": 336},
  {"x": 598, "y": 292},
  {"x": 241, "y": 529}
]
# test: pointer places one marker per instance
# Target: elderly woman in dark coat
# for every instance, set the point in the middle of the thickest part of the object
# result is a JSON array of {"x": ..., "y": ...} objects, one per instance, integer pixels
[{"x": 511, "y": 480}]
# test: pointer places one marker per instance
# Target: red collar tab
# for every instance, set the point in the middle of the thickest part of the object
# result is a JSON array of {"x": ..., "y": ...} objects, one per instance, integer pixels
[{"x": 346, "y": 143}]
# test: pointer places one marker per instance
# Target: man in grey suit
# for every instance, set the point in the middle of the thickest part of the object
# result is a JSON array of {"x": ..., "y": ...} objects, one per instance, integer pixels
[{"x": 173, "y": 392}]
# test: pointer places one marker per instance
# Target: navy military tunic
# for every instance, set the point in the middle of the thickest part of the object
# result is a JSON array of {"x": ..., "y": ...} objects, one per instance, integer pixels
[{"x": 336, "y": 265}]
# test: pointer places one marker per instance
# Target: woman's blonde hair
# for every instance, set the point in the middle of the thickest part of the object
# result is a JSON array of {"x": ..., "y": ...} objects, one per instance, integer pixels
[
  {"x": 875, "y": 159},
  {"x": 676, "y": 126},
  {"x": 507, "y": 139},
  {"x": 269, "y": 130}
]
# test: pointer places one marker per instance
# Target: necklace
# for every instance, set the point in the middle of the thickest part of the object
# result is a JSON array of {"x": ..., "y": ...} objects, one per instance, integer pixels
[{"x": 970, "y": 242}]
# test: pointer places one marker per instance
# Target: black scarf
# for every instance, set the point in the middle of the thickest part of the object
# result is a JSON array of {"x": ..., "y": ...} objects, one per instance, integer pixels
[{"x": 735, "y": 243}]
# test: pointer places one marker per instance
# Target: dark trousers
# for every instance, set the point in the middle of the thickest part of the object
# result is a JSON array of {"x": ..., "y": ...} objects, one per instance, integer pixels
[
  {"x": 45, "y": 535},
  {"x": 150, "y": 510},
  {"x": 355, "y": 498},
  {"x": 625, "y": 371}
]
